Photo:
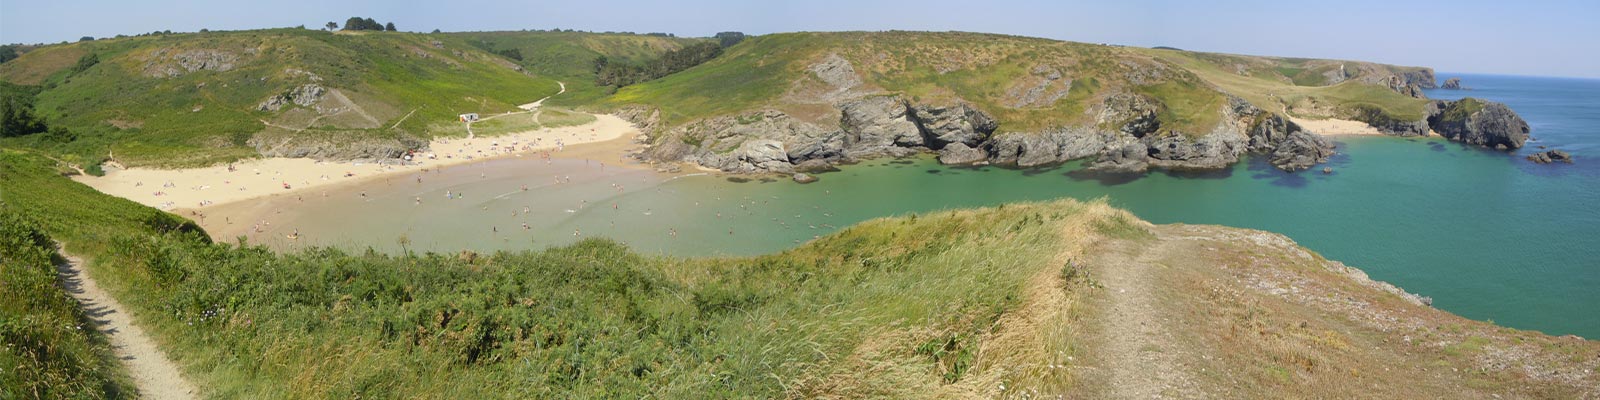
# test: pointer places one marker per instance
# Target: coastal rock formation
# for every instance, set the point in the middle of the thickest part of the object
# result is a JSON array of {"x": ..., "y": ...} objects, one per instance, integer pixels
[
  {"x": 1290, "y": 147},
  {"x": 1546, "y": 157},
  {"x": 960, "y": 123},
  {"x": 1452, "y": 84},
  {"x": 167, "y": 63},
  {"x": 960, "y": 154},
  {"x": 303, "y": 95},
  {"x": 328, "y": 148},
  {"x": 878, "y": 125},
  {"x": 1483, "y": 123},
  {"x": 1126, "y": 136}
]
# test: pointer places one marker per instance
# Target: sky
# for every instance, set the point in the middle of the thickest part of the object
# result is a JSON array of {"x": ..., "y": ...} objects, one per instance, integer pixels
[{"x": 1530, "y": 37}]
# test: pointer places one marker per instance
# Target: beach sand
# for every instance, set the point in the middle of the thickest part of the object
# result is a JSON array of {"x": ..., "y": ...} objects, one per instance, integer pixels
[
  {"x": 203, "y": 188},
  {"x": 1336, "y": 127}
]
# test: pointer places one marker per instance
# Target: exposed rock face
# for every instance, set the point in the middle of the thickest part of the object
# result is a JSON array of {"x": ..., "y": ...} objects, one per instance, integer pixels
[
  {"x": 941, "y": 126},
  {"x": 1290, "y": 147},
  {"x": 1130, "y": 157},
  {"x": 1546, "y": 157},
  {"x": 330, "y": 149},
  {"x": 1127, "y": 136},
  {"x": 1452, "y": 84},
  {"x": 837, "y": 72},
  {"x": 303, "y": 95},
  {"x": 165, "y": 63},
  {"x": 959, "y": 154},
  {"x": 1422, "y": 77},
  {"x": 1396, "y": 127},
  {"x": 879, "y": 125},
  {"x": 1484, "y": 123}
]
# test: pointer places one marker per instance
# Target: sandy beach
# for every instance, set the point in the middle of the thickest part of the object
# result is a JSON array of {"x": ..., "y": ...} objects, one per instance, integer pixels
[
  {"x": 203, "y": 188},
  {"x": 1336, "y": 127}
]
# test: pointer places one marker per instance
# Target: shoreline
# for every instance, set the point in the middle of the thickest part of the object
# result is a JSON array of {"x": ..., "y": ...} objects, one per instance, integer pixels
[{"x": 200, "y": 189}]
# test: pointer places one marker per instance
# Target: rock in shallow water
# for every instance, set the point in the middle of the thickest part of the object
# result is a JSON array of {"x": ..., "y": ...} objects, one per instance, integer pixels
[
  {"x": 1546, "y": 157},
  {"x": 804, "y": 178}
]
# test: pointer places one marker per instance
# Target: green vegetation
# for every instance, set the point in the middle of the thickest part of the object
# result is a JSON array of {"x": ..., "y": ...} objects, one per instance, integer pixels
[
  {"x": 1300, "y": 84},
  {"x": 365, "y": 24},
  {"x": 586, "y": 320},
  {"x": 569, "y": 56},
  {"x": 622, "y": 74},
  {"x": 51, "y": 350},
  {"x": 196, "y": 99},
  {"x": 997, "y": 74},
  {"x": 1461, "y": 110}
]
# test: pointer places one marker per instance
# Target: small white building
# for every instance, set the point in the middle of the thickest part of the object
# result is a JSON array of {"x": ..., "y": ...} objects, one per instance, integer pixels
[{"x": 469, "y": 117}]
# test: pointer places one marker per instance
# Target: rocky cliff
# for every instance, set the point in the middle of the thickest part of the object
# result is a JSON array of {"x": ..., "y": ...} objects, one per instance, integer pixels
[
  {"x": 1125, "y": 136},
  {"x": 1479, "y": 122}
]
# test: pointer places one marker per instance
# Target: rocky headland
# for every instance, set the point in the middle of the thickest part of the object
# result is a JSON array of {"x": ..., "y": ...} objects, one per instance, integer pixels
[{"x": 1124, "y": 134}]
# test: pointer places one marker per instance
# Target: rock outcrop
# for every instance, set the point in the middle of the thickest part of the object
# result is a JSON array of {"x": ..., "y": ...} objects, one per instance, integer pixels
[
  {"x": 1452, "y": 84},
  {"x": 1479, "y": 122},
  {"x": 328, "y": 148},
  {"x": 1290, "y": 148},
  {"x": 1546, "y": 157},
  {"x": 1126, "y": 136},
  {"x": 167, "y": 63},
  {"x": 303, "y": 95}
]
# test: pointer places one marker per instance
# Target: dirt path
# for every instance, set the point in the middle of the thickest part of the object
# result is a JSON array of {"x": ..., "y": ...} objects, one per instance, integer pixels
[
  {"x": 153, "y": 374},
  {"x": 526, "y": 108},
  {"x": 1138, "y": 353}
]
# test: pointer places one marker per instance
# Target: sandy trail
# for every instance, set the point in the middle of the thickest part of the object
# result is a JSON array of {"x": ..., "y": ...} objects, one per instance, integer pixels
[
  {"x": 154, "y": 375},
  {"x": 201, "y": 188},
  {"x": 1138, "y": 354}
]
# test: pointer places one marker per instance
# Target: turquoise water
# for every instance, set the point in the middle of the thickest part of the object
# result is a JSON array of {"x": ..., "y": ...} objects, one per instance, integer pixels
[{"x": 1488, "y": 235}]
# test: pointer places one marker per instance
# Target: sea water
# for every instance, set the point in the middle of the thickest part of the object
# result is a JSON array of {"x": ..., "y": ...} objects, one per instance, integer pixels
[{"x": 1486, "y": 234}]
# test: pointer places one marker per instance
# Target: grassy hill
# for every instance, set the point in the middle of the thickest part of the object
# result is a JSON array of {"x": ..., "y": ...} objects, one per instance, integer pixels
[
  {"x": 192, "y": 99},
  {"x": 569, "y": 56},
  {"x": 1039, "y": 299},
  {"x": 1027, "y": 84}
]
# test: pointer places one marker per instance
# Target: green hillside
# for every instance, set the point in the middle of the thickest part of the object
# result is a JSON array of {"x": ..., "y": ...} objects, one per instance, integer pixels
[
  {"x": 569, "y": 56},
  {"x": 1027, "y": 84},
  {"x": 193, "y": 99}
]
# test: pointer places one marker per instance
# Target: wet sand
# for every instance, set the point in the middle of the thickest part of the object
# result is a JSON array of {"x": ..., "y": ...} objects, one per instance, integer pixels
[{"x": 559, "y": 180}]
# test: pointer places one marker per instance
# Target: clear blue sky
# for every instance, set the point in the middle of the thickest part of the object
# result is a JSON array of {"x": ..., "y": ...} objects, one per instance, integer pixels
[{"x": 1555, "y": 38}]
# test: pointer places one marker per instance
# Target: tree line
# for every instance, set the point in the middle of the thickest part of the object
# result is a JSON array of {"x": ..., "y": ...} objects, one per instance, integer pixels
[
  {"x": 362, "y": 24},
  {"x": 619, "y": 74}
]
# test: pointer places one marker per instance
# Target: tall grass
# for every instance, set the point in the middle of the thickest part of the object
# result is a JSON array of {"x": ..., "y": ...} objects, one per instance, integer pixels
[{"x": 896, "y": 307}]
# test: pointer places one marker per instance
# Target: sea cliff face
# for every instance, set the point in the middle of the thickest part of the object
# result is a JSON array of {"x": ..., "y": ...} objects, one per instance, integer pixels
[{"x": 1124, "y": 137}]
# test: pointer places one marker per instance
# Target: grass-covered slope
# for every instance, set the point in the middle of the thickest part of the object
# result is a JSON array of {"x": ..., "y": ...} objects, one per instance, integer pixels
[
  {"x": 1027, "y": 84},
  {"x": 1028, "y": 300},
  {"x": 571, "y": 55},
  {"x": 187, "y": 99}
]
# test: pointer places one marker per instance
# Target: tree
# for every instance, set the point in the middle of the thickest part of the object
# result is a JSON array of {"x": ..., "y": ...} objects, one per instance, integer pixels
[
  {"x": 512, "y": 54},
  {"x": 88, "y": 60},
  {"x": 8, "y": 53},
  {"x": 389, "y": 27},
  {"x": 332, "y": 25},
  {"x": 16, "y": 117},
  {"x": 729, "y": 38},
  {"x": 435, "y": 31},
  {"x": 86, "y": 39}
]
